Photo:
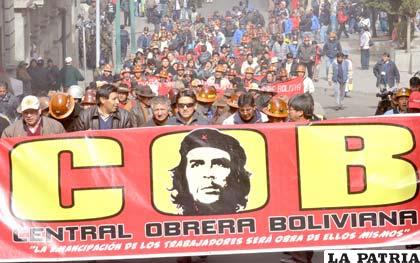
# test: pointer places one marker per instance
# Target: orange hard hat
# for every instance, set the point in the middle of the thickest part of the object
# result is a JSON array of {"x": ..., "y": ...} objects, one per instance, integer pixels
[
  {"x": 61, "y": 105},
  {"x": 403, "y": 92},
  {"x": 220, "y": 68},
  {"x": 89, "y": 98},
  {"x": 207, "y": 94},
  {"x": 233, "y": 100},
  {"x": 249, "y": 70},
  {"x": 163, "y": 74},
  {"x": 107, "y": 67},
  {"x": 276, "y": 108}
]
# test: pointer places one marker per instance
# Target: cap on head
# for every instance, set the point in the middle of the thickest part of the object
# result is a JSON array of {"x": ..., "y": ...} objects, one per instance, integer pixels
[
  {"x": 29, "y": 103},
  {"x": 68, "y": 60},
  {"x": 144, "y": 91}
]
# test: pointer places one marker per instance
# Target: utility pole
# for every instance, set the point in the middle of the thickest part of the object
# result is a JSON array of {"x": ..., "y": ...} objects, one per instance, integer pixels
[
  {"x": 133, "y": 28},
  {"x": 410, "y": 57},
  {"x": 98, "y": 32},
  {"x": 84, "y": 52},
  {"x": 118, "y": 36}
]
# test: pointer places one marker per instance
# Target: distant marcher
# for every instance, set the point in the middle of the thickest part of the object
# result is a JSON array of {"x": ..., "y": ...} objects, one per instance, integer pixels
[
  {"x": 125, "y": 41},
  {"x": 23, "y": 75},
  {"x": 365, "y": 43},
  {"x": 53, "y": 75},
  {"x": 386, "y": 73},
  {"x": 40, "y": 83},
  {"x": 70, "y": 75},
  {"x": 8, "y": 102},
  {"x": 340, "y": 76}
]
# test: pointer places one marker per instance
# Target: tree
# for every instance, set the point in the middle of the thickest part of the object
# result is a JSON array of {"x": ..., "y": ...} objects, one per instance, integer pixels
[
  {"x": 391, "y": 7},
  {"x": 409, "y": 9}
]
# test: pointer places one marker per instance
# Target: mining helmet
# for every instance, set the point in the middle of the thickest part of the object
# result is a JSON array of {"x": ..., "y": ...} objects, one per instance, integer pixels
[
  {"x": 249, "y": 70},
  {"x": 61, "y": 105},
  {"x": 403, "y": 92},
  {"x": 207, "y": 94},
  {"x": 276, "y": 108}
]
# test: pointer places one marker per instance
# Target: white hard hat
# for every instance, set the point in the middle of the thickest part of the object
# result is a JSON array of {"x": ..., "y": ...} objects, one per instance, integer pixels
[
  {"x": 76, "y": 92},
  {"x": 68, "y": 60}
]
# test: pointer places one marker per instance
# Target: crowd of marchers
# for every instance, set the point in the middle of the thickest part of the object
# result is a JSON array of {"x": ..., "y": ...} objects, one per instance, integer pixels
[{"x": 218, "y": 71}]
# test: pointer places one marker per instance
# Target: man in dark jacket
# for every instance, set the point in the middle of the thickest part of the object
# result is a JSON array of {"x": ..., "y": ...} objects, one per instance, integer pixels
[
  {"x": 70, "y": 75},
  {"x": 39, "y": 75},
  {"x": 161, "y": 107},
  {"x": 4, "y": 123},
  {"x": 8, "y": 102},
  {"x": 331, "y": 48},
  {"x": 306, "y": 55},
  {"x": 386, "y": 73},
  {"x": 53, "y": 75},
  {"x": 125, "y": 41},
  {"x": 325, "y": 20},
  {"x": 186, "y": 103},
  {"x": 106, "y": 115},
  {"x": 141, "y": 112}
]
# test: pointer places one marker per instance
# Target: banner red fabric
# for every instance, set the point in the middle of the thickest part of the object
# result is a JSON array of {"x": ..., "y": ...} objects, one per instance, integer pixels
[
  {"x": 172, "y": 191},
  {"x": 288, "y": 88}
]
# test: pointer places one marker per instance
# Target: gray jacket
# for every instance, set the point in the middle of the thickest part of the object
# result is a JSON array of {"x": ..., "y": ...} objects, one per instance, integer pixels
[
  {"x": 18, "y": 129},
  {"x": 306, "y": 53},
  {"x": 392, "y": 74}
]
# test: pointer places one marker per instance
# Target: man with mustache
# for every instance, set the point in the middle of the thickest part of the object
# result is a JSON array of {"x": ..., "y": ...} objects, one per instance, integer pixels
[{"x": 211, "y": 178}]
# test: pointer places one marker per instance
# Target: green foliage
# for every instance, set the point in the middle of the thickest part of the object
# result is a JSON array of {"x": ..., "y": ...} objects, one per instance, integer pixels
[
  {"x": 381, "y": 5},
  {"x": 409, "y": 7},
  {"x": 395, "y": 7}
]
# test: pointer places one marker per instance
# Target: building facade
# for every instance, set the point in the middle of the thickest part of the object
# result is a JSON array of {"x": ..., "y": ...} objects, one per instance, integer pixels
[{"x": 38, "y": 28}]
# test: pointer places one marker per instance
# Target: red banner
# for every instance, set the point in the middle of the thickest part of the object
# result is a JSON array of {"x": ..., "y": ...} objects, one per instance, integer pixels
[
  {"x": 288, "y": 88},
  {"x": 171, "y": 191}
]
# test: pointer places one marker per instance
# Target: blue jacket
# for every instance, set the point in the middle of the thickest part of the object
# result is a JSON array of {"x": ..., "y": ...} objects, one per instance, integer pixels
[
  {"x": 237, "y": 36},
  {"x": 331, "y": 48},
  {"x": 345, "y": 71},
  {"x": 143, "y": 41},
  {"x": 293, "y": 49},
  {"x": 288, "y": 26},
  {"x": 315, "y": 23}
]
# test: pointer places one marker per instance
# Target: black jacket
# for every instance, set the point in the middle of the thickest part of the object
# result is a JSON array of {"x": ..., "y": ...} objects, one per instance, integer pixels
[{"x": 89, "y": 120}]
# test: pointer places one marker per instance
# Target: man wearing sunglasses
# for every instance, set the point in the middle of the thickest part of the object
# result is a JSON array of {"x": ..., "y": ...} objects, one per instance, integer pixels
[{"x": 186, "y": 106}]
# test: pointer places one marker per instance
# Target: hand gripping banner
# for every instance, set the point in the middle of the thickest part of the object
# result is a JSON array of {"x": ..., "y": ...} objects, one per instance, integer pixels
[{"x": 161, "y": 192}]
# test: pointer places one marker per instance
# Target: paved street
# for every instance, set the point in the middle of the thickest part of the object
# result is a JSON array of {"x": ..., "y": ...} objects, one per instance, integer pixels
[{"x": 362, "y": 100}]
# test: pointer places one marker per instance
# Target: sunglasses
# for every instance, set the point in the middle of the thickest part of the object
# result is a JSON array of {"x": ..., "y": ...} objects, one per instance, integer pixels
[{"x": 183, "y": 105}]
